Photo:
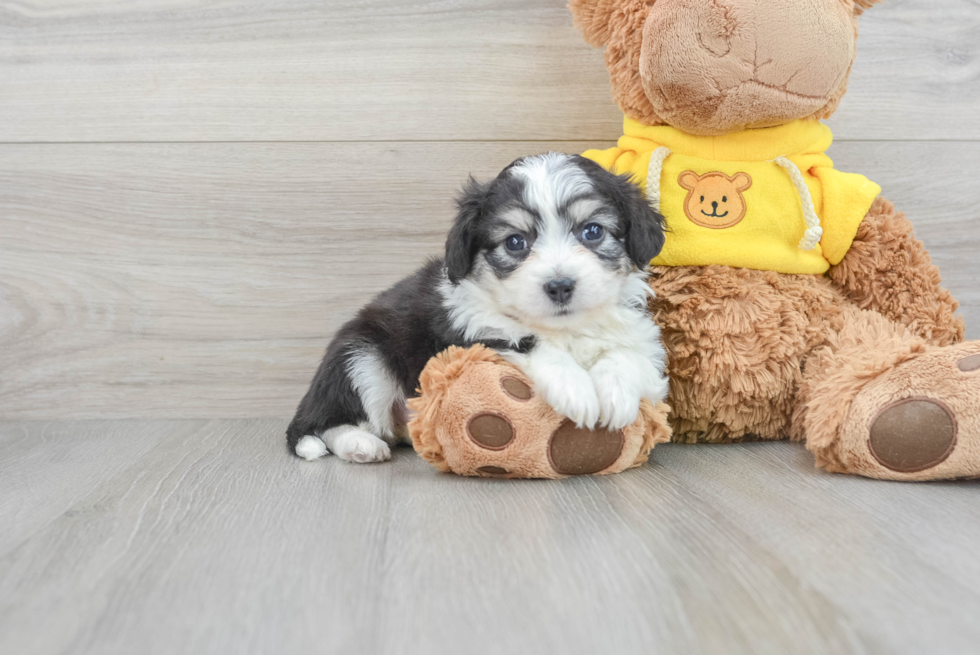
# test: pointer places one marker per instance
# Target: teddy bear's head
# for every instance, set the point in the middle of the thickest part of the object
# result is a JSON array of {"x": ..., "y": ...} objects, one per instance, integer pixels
[{"x": 713, "y": 67}]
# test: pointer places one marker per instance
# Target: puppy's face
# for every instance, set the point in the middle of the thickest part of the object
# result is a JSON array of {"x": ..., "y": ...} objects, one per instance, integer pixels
[{"x": 552, "y": 238}]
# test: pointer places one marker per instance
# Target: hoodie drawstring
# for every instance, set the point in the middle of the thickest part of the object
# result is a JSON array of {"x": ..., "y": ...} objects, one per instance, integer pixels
[{"x": 813, "y": 232}]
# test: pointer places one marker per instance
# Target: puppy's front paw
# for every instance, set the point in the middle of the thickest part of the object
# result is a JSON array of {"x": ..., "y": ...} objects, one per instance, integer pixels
[
  {"x": 355, "y": 445},
  {"x": 571, "y": 393},
  {"x": 619, "y": 401}
]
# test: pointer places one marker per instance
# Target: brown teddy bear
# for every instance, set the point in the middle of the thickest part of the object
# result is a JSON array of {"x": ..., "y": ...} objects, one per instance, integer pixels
[{"x": 794, "y": 301}]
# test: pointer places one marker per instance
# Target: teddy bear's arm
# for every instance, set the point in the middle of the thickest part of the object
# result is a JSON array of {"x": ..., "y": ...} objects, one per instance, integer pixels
[{"x": 888, "y": 270}]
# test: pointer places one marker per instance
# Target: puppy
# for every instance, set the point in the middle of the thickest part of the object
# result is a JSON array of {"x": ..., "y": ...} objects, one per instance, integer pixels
[{"x": 545, "y": 264}]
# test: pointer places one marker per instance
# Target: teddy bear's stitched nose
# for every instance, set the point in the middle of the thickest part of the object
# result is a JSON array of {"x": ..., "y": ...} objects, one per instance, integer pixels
[{"x": 714, "y": 206}]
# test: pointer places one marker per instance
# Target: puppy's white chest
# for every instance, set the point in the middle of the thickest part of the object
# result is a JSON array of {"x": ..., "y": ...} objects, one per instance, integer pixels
[{"x": 585, "y": 350}]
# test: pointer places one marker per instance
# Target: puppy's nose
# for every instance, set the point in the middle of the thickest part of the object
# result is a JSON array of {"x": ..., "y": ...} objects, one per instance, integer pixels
[
  {"x": 560, "y": 289},
  {"x": 714, "y": 205}
]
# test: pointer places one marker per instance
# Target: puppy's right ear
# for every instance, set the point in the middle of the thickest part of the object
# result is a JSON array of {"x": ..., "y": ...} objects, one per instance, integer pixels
[{"x": 461, "y": 244}]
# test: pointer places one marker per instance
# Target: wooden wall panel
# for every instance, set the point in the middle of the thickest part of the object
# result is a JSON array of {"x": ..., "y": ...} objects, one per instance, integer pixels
[
  {"x": 203, "y": 280},
  {"x": 378, "y": 70}
]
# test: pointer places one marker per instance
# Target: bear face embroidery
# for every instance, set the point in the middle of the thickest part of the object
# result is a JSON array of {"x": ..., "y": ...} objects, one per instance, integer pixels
[{"x": 714, "y": 199}]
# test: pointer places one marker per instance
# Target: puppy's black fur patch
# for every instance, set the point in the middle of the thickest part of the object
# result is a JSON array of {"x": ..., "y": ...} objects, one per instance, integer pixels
[{"x": 406, "y": 325}]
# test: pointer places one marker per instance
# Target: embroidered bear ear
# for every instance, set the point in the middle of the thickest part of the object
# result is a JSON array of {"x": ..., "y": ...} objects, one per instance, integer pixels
[
  {"x": 742, "y": 181},
  {"x": 689, "y": 180}
]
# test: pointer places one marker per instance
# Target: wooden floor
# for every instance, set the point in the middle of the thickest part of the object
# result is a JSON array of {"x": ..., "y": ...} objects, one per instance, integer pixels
[{"x": 203, "y": 537}]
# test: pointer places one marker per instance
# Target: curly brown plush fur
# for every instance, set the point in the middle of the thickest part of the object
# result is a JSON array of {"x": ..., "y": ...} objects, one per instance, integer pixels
[
  {"x": 887, "y": 270},
  {"x": 738, "y": 340},
  {"x": 864, "y": 346}
]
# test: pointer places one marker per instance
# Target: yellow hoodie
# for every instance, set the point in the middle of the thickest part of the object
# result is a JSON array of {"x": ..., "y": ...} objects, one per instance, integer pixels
[{"x": 767, "y": 199}]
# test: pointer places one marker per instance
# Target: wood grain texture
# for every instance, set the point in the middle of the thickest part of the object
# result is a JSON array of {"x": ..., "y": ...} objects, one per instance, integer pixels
[
  {"x": 204, "y": 280},
  {"x": 172, "y": 70},
  {"x": 47, "y": 469},
  {"x": 213, "y": 540}
]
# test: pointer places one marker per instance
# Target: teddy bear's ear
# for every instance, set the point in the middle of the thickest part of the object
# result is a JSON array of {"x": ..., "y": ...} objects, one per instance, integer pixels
[
  {"x": 588, "y": 19},
  {"x": 599, "y": 19},
  {"x": 861, "y": 6}
]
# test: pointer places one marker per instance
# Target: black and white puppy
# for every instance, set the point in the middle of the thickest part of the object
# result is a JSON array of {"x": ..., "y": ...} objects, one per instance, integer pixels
[{"x": 546, "y": 265}]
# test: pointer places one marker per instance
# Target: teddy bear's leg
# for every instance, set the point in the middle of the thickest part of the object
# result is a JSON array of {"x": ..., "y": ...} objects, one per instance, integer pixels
[
  {"x": 879, "y": 401},
  {"x": 736, "y": 339},
  {"x": 888, "y": 271}
]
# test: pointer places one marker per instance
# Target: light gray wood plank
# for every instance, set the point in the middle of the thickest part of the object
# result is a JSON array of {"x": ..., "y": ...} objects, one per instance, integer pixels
[
  {"x": 215, "y": 540},
  {"x": 180, "y": 273},
  {"x": 341, "y": 71},
  {"x": 932, "y": 184},
  {"x": 917, "y": 73},
  {"x": 164, "y": 70},
  {"x": 624, "y": 564},
  {"x": 203, "y": 280},
  {"x": 46, "y": 469},
  {"x": 881, "y": 550}
]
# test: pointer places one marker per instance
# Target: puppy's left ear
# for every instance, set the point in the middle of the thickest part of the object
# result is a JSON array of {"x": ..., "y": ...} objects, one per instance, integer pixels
[
  {"x": 461, "y": 244},
  {"x": 645, "y": 231},
  {"x": 643, "y": 228}
]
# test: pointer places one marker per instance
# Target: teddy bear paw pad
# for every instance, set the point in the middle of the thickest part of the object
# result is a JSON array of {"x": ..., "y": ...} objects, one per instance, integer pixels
[
  {"x": 913, "y": 435},
  {"x": 493, "y": 471},
  {"x": 490, "y": 431},
  {"x": 969, "y": 364},
  {"x": 577, "y": 451},
  {"x": 515, "y": 388}
]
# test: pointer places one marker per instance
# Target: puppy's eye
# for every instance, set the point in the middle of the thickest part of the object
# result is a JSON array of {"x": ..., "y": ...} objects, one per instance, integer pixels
[
  {"x": 592, "y": 232},
  {"x": 702, "y": 198},
  {"x": 515, "y": 243},
  {"x": 724, "y": 198}
]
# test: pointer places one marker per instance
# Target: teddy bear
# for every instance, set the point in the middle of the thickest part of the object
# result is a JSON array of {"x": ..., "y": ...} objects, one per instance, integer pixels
[{"x": 793, "y": 299}]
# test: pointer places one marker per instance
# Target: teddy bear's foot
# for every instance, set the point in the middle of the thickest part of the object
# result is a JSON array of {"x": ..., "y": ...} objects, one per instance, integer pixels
[
  {"x": 917, "y": 421},
  {"x": 479, "y": 416}
]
